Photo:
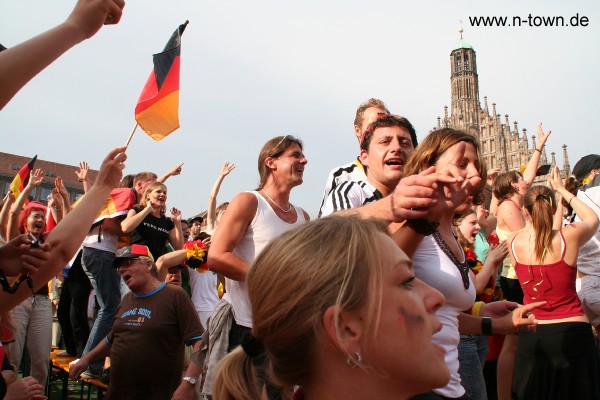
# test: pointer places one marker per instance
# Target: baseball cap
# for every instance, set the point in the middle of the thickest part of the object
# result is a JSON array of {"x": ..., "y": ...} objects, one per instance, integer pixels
[
  {"x": 133, "y": 251},
  {"x": 585, "y": 165},
  {"x": 196, "y": 218}
]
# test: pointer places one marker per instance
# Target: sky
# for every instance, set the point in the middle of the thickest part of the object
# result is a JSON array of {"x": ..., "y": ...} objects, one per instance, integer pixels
[{"x": 253, "y": 70}]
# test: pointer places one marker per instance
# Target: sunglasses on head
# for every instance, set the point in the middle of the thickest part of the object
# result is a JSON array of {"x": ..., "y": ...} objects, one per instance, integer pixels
[{"x": 286, "y": 137}]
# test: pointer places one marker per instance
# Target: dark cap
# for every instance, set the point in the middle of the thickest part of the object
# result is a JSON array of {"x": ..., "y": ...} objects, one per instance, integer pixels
[
  {"x": 133, "y": 251},
  {"x": 585, "y": 165},
  {"x": 196, "y": 218}
]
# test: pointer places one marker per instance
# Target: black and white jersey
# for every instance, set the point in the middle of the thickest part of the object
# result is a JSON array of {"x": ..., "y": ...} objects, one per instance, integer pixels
[
  {"x": 348, "y": 195},
  {"x": 353, "y": 171}
]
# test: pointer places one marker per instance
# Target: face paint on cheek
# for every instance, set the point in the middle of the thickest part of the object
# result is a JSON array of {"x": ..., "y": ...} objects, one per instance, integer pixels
[{"x": 407, "y": 317}]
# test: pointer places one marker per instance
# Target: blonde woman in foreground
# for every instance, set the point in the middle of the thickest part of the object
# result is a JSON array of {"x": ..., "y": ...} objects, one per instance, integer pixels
[{"x": 339, "y": 314}]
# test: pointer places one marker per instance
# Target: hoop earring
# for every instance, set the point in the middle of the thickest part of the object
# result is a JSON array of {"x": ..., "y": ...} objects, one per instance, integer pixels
[{"x": 354, "y": 362}]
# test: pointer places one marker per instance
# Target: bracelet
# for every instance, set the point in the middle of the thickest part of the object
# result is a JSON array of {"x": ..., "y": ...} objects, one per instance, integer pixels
[
  {"x": 57, "y": 208},
  {"x": 569, "y": 203},
  {"x": 79, "y": 180},
  {"x": 538, "y": 150},
  {"x": 486, "y": 326},
  {"x": 476, "y": 309}
]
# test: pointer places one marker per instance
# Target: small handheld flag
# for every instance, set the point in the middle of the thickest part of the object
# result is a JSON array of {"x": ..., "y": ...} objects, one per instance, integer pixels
[
  {"x": 22, "y": 178},
  {"x": 157, "y": 108}
]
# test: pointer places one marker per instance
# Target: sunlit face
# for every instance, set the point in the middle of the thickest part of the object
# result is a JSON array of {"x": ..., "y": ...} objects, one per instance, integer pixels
[
  {"x": 389, "y": 149},
  {"x": 403, "y": 350},
  {"x": 369, "y": 115},
  {"x": 196, "y": 228},
  {"x": 469, "y": 228},
  {"x": 135, "y": 273},
  {"x": 158, "y": 196},
  {"x": 174, "y": 276},
  {"x": 36, "y": 223},
  {"x": 520, "y": 186},
  {"x": 290, "y": 165}
]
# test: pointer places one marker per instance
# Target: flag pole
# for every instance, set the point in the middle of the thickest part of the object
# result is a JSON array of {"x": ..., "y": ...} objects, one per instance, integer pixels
[{"x": 131, "y": 135}]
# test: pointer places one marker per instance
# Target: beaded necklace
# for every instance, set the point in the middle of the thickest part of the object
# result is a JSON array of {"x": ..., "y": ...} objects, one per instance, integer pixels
[{"x": 463, "y": 267}]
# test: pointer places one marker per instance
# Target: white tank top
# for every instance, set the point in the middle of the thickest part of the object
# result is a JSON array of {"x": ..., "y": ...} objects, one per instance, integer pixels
[
  {"x": 588, "y": 260},
  {"x": 265, "y": 226},
  {"x": 434, "y": 267}
]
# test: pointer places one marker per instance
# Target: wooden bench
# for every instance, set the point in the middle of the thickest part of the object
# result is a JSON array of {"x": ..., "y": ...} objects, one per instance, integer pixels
[{"x": 59, "y": 372}]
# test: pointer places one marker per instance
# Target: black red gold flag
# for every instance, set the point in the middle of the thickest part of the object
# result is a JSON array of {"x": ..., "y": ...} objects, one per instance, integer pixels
[
  {"x": 157, "y": 109},
  {"x": 22, "y": 178}
]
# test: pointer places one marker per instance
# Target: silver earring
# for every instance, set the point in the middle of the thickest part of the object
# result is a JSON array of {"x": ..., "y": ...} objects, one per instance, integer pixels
[{"x": 354, "y": 362}]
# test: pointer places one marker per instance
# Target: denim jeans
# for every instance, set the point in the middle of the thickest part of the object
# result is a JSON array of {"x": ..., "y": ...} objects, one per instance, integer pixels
[
  {"x": 472, "y": 351},
  {"x": 98, "y": 265}
]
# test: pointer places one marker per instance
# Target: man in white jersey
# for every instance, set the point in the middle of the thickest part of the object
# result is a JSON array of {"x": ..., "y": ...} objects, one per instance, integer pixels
[
  {"x": 385, "y": 146},
  {"x": 366, "y": 113},
  {"x": 252, "y": 220}
]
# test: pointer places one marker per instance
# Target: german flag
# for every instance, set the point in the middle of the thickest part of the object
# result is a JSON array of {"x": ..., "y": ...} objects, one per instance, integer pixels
[
  {"x": 117, "y": 204},
  {"x": 22, "y": 179},
  {"x": 157, "y": 108}
]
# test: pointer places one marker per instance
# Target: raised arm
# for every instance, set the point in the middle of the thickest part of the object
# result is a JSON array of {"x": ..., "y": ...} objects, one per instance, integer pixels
[
  {"x": 62, "y": 190},
  {"x": 232, "y": 228},
  {"x": 588, "y": 225},
  {"x": 531, "y": 169},
  {"x": 56, "y": 206},
  {"x": 211, "y": 215},
  {"x": 82, "y": 177},
  {"x": 35, "y": 180},
  {"x": 19, "y": 64},
  {"x": 176, "y": 234},
  {"x": 5, "y": 213},
  {"x": 176, "y": 170},
  {"x": 169, "y": 260},
  {"x": 66, "y": 238},
  {"x": 491, "y": 177},
  {"x": 490, "y": 267}
]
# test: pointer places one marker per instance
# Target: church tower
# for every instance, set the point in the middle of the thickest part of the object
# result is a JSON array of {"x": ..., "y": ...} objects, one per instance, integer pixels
[
  {"x": 502, "y": 145},
  {"x": 465, "y": 87}
]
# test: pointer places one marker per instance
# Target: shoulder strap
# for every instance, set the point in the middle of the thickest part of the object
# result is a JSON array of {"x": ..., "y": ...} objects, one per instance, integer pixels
[
  {"x": 563, "y": 245},
  {"x": 512, "y": 246}
]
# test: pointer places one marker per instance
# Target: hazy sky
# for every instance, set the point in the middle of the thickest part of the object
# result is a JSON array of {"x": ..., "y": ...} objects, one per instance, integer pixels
[{"x": 252, "y": 70}]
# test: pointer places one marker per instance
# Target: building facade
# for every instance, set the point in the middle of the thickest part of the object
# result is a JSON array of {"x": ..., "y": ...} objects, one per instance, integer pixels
[
  {"x": 502, "y": 145},
  {"x": 10, "y": 164}
]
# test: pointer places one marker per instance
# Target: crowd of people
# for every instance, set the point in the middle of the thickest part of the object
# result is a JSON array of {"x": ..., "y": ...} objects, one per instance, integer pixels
[{"x": 417, "y": 256}]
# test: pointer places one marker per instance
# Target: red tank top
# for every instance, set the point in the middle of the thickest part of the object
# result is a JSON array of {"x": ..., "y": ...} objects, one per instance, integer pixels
[{"x": 554, "y": 283}]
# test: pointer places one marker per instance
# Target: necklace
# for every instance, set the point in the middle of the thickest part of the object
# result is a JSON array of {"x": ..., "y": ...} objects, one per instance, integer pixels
[
  {"x": 463, "y": 267},
  {"x": 277, "y": 204}
]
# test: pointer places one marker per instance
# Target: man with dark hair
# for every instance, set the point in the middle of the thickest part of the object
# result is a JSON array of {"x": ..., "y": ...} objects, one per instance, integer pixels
[
  {"x": 195, "y": 224},
  {"x": 152, "y": 325},
  {"x": 386, "y": 145},
  {"x": 366, "y": 113}
]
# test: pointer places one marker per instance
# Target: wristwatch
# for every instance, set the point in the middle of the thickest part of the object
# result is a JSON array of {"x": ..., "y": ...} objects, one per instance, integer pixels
[{"x": 191, "y": 380}]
